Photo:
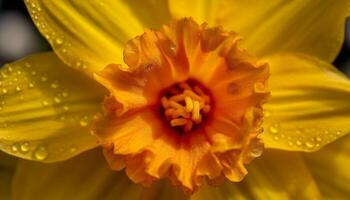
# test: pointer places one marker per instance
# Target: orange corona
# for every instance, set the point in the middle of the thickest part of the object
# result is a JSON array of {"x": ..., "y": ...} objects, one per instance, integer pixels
[{"x": 187, "y": 106}]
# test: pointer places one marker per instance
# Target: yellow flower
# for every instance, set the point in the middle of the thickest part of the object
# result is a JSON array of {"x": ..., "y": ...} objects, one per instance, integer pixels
[{"x": 180, "y": 101}]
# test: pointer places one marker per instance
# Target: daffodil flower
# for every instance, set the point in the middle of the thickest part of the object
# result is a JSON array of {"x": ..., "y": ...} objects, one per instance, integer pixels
[{"x": 181, "y": 96}]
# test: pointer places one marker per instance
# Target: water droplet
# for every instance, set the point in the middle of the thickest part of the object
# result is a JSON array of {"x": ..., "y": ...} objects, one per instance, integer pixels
[
  {"x": 54, "y": 85},
  {"x": 14, "y": 147},
  {"x": 66, "y": 108},
  {"x": 338, "y": 133},
  {"x": 310, "y": 144},
  {"x": 59, "y": 41},
  {"x": 298, "y": 143},
  {"x": 84, "y": 67},
  {"x": 276, "y": 137},
  {"x": 290, "y": 143},
  {"x": 267, "y": 114},
  {"x": 232, "y": 88},
  {"x": 64, "y": 93},
  {"x": 31, "y": 85},
  {"x": 4, "y": 91},
  {"x": 275, "y": 128},
  {"x": 318, "y": 139},
  {"x": 57, "y": 100},
  {"x": 4, "y": 75},
  {"x": 83, "y": 121},
  {"x": 27, "y": 65},
  {"x": 78, "y": 64},
  {"x": 73, "y": 149},
  {"x": 18, "y": 89},
  {"x": 43, "y": 78},
  {"x": 40, "y": 153},
  {"x": 45, "y": 103},
  {"x": 173, "y": 48},
  {"x": 25, "y": 146}
]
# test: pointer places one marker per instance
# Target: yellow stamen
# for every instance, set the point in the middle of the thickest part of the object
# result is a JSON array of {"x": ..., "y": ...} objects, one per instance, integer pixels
[
  {"x": 184, "y": 105},
  {"x": 193, "y": 95},
  {"x": 178, "y": 122},
  {"x": 189, "y": 104},
  {"x": 164, "y": 102},
  {"x": 175, "y": 105},
  {"x": 177, "y": 98},
  {"x": 180, "y": 113},
  {"x": 169, "y": 112},
  {"x": 196, "y": 112}
]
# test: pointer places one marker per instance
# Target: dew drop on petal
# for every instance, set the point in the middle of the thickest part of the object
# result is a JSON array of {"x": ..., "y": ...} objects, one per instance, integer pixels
[
  {"x": 318, "y": 139},
  {"x": 83, "y": 121},
  {"x": 14, "y": 147},
  {"x": 298, "y": 143},
  {"x": 45, "y": 103},
  {"x": 54, "y": 85},
  {"x": 310, "y": 144},
  {"x": 64, "y": 93},
  {"x": 57, "y": 100},
  {"x": 25, "y": 146},
  {"x": 43, "y": 78},
  {"x": 231, "y": 88},
  {"x": 290, "y": 143},
  {"x": 275, "y": 128},
  {"x": 65, "y": 108},
  {"x": 59, "y": 41},
  {"x": 40, "y": 153},
  {"x": 73, "y": 149}
]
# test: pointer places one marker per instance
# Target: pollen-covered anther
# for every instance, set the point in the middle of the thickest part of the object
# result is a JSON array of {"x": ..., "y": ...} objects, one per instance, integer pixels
[{"x": 185, "y": 105}]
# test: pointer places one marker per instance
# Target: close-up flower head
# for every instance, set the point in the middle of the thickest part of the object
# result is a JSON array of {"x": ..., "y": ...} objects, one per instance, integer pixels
[{"x": 175, "y": 99}]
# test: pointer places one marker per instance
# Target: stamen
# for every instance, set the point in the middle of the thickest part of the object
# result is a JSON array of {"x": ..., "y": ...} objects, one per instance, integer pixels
[
  {"x": 175, "y": 105},
  {"x": 193, "y": 95},
  {"x": 185, "y": 106},
  {"x": 195, "y": 111},
  {"x": 177, "y": 98},
  {"x": 165, "y": 102},
  {"x": 178, "y": 122},
  {"x": 189, "y": 104}
]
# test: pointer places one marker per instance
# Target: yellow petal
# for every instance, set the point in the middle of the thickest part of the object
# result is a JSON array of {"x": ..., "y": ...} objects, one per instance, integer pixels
[
  {"x": 310, "y": 104},
  {"x": 277, "y": 26},
  {"x": 330, "y": 168},
  {"x": 46, "y": 108},
  {"x": 88, "y": 35},
  {"x": 200, "y": 10},
  {"x": 7, "y": 169},
  {"x": 85, "y": 177},
  {"x": 276, "y": 175}
]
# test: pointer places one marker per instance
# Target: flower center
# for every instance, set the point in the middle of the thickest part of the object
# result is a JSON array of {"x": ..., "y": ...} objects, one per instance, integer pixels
[{"x": 185, "y": 105}]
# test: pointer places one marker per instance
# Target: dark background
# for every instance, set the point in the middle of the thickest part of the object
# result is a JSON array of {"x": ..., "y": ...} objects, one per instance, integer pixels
[{"x": 19, "y": 37}]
